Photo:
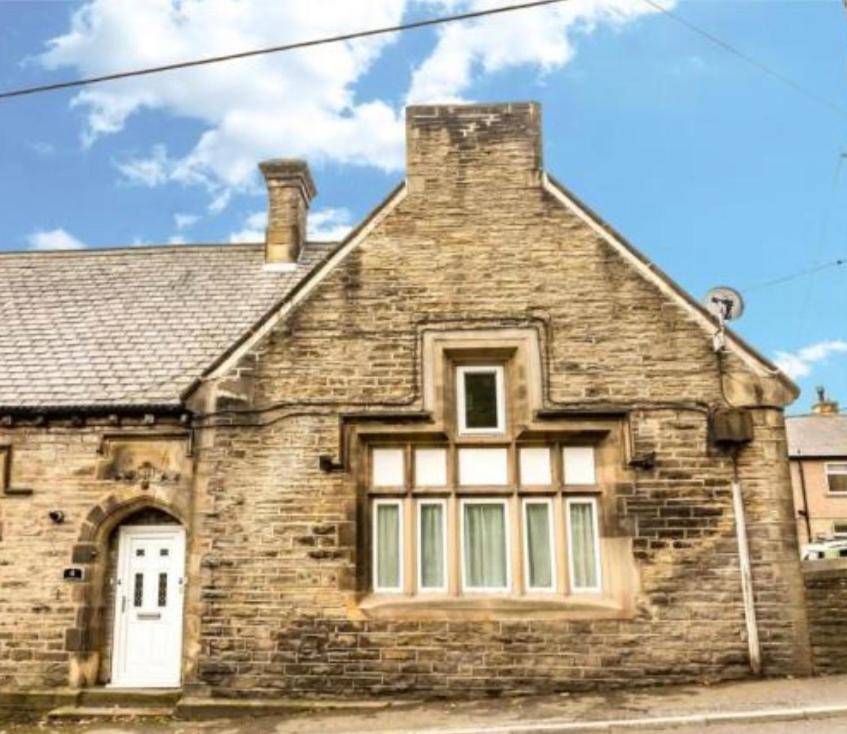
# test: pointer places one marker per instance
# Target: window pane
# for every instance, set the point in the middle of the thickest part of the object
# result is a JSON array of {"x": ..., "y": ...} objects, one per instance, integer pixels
[
  {"x": 432, "y": 546},
  {"x": 485, "y": 546},
  {"x": 388, "y": 468},
  {"x": 163, "y": 589},
  {"x": 138, "y": 592},
  {"x": 480, "y": 399},
  {"x": 535, "y": 467},
  {"x": 388, "y": 546},
  {"x": 583, "y": 550},
  {"x": 483, "y": 467},
  {"x": 837, "y": 482},
  {"x": 579, "y": 464},
  {"x": 430, "y": 468},
  {"x": 539, "y": 560}
]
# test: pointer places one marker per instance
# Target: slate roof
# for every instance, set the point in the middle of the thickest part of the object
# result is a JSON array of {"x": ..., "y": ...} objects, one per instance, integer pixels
[
  {"x": 130, "y": 327},
  {"x": 817, "y": 435}
]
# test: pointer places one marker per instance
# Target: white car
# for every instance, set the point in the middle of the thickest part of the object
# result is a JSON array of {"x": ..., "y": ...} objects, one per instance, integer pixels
[{"x": 823, "y": 549}]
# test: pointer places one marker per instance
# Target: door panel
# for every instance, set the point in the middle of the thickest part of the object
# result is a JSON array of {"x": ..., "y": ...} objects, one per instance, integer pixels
[{"x": 148, "y": 607}]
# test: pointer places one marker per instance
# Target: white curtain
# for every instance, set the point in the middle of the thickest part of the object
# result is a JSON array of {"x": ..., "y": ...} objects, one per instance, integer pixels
[
  {"x": 539, "y": 560},
  {"x": 388, "y": 546},
  {"x": 485, "y": 546},
  {"x": 583, "y": 546},
  {"x": 432, "y": 546}
]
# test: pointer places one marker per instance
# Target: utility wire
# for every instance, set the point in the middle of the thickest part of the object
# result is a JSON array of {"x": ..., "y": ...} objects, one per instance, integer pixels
[
  {"x": 276, "y": 49},
  {"x": 782, "y": 78},
  {"x": 729, "y": 48},
  {"x": 795, "y": 275}
]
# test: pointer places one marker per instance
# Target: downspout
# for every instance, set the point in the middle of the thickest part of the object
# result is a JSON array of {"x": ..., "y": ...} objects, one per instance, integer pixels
[
  {"x": 805, "y": 501},
  {"x": 746, "y": 574}
]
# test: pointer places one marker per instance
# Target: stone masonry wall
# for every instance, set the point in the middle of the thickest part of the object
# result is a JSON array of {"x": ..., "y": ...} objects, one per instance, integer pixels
[
  {"x": 477, "y": 242},
  {"x": 47, "y": 625},
  {"x": 826, "y": 594}
]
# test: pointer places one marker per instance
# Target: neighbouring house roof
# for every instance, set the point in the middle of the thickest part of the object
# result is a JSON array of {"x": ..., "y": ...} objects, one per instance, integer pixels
[
  {"x": 131, "y": 327},
  {"x": 817, "y": 435}
]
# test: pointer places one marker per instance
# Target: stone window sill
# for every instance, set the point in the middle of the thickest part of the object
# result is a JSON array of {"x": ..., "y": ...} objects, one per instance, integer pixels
[{"x": 575, "y": 607}]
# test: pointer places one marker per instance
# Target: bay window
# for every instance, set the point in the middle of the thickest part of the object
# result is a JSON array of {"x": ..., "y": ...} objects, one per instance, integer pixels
[
  {"x": 484, "y": 502},
  {"x": 510, "y": 520}
]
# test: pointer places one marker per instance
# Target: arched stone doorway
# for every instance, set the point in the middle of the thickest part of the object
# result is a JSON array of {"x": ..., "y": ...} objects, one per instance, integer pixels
[{"x": 133, "y": 551}]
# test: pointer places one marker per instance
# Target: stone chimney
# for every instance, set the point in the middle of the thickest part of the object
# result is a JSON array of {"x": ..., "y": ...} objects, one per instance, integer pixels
[
  {"x": 456, "y": 152},
  {"x": 290, "y": 190},
  {"x": 824, "y": 406}
]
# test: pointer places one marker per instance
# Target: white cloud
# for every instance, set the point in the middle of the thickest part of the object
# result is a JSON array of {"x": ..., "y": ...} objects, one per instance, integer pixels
[
  {"x": 43, "y": 148},
  {"x": 54, "y": 239},
  {"x": 253, "y": 229},
  {"x": 151, "y": 171},
  {"x": 177, "y": 239},
  {"x": 185, "y": 220},
  {"x": 329, "y": 224},
  {"x": 800, "y": 363},
  {"x": 540, "y": 37},
  {"x": 294, "y": 104}
]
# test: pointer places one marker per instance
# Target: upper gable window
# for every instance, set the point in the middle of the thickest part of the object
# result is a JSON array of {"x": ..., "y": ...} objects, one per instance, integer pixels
[{"x": 480, "y": 399}]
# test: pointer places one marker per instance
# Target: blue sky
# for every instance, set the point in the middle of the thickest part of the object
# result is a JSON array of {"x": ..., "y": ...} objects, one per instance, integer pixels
[{"x": 718, "y": 172}]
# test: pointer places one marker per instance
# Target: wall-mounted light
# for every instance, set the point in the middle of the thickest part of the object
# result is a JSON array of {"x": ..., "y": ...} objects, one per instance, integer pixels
[{"x": 57, "y": 516}]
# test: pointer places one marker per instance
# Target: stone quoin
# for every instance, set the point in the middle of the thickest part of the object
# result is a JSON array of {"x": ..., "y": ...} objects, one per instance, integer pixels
[{"x": 468, "y": 450}]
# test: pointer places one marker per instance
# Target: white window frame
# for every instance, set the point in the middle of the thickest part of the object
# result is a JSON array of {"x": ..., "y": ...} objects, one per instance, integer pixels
[
  {"x": 463, "y": 370},
  {"x": 551, "y": 542},
  {"x": 400, "y": 504},
  {"x": 839, "y": 534},
  {"x": 829, "y": 471},
  {"x": 504, "y": 503},
  {"x": 574, "y": 589},
  {"x": 444, "y": 547}
]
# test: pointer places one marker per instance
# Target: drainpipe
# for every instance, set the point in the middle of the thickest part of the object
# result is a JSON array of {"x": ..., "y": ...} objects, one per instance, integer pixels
[
  {"x": 805, "y": 501},
  {"x": 746, "y": 575}
]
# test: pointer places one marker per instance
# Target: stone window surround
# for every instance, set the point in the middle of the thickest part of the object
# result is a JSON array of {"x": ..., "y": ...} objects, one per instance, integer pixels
[{"x": 518, "y": 350}]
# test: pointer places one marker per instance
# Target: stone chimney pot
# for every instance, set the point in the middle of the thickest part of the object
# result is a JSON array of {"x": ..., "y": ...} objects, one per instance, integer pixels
[
  {"x": 824, "y": 406},
  {"x": 290, "y": 190}
]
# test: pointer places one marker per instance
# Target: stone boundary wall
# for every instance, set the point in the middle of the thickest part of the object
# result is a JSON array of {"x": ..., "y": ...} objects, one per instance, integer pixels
[{"x": 826, "y": 607}]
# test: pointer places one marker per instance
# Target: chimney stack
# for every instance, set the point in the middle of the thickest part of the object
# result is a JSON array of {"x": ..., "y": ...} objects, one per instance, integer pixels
[
  {"x": 290, "y": 190},
  {"x": 824, "y": 406},
  {"x": 479, "y": 150}
]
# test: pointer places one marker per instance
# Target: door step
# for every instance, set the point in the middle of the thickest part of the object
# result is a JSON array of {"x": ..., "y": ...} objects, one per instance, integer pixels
[
  {"x": 80, "y": 713},
  {"x": 129, "y": 697},
  {"x": 120, "y": 703}
]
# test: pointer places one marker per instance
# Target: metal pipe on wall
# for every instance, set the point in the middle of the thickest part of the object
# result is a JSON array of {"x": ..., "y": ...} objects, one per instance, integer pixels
[{"x": 753, "y": 645}]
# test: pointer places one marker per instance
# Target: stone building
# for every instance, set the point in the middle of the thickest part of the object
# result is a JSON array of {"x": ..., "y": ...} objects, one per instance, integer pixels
[
  {"x": 479, "y": 446},
  {"x": 817, "y": 451}
]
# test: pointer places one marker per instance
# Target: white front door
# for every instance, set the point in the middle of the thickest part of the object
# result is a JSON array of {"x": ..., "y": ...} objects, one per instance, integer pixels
[{"x": 147, "y": 645}]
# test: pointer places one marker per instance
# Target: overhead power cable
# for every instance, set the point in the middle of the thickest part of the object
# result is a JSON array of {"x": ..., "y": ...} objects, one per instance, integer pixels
[
  {"x": 764, "y": 68},
  {"x": 276, "y": 49},
  {"x": 795, "y": 275},
  {"x": 428, "y": 22}
]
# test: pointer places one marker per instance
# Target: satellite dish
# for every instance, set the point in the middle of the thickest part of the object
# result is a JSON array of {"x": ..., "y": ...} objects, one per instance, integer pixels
[{"x": 724, "y": 303}]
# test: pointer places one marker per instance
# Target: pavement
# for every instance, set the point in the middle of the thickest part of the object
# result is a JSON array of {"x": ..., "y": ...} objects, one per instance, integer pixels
[{"x": 798, "y": 706}]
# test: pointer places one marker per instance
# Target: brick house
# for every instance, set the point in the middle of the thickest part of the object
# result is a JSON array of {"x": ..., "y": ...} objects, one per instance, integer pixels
[
  {"x": 817, "y": 452},
  {"x": 471, "y": 448}
]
